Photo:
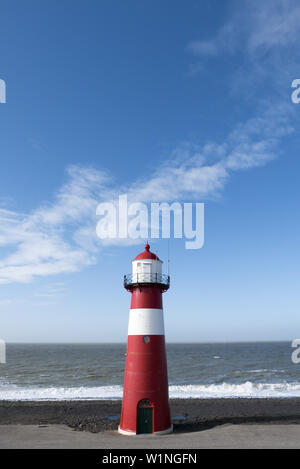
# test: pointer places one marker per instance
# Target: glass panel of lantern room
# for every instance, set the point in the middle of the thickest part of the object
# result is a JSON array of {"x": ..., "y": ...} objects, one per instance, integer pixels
[
  {"x": 147, "y": 268},
  {"x": 146, "y": 271}
]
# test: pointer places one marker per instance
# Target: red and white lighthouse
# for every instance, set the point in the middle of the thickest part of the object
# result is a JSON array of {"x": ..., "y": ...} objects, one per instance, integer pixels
[{"x": 145, "y": 406}]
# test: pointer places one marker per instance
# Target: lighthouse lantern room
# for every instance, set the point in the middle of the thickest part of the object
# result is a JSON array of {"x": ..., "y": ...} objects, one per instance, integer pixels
[{"x": 145, "y": 406}]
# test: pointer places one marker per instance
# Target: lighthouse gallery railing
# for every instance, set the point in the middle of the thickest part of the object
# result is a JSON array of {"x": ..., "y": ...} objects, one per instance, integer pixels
[{"x": 135, "y": 279}]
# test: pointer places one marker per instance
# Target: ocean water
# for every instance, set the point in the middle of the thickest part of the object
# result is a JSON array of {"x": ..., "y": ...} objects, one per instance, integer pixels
[{"x": 95, "y": 371}]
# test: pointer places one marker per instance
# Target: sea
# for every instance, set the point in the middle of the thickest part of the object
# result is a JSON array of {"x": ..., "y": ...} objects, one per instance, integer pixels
[{"x": 95, "y": 371}]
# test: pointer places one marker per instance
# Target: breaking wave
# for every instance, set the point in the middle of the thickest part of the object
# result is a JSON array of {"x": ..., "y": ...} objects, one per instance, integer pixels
[{"x": 224, "y": 390}]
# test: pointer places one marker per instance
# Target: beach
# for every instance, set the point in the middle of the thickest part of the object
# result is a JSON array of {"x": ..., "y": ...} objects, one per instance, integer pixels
[
  {"x": 230, "y": 395},
  {"x": 197, "y": 423},
  {"x": 254, "y": 436}
]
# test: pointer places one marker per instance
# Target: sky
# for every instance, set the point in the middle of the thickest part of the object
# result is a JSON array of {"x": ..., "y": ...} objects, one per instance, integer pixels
[{"x": 163, "y": 101}]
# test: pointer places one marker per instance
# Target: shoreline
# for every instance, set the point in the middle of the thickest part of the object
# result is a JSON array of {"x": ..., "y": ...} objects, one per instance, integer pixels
[{"x": 188, "y": 415}]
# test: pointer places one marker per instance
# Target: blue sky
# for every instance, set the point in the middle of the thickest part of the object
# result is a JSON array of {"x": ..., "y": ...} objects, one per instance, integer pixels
[{"x": 165, "y": 101}]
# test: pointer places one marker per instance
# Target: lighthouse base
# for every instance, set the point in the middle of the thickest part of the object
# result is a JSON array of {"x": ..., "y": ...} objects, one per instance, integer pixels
[{"x": 128, "y": 433}]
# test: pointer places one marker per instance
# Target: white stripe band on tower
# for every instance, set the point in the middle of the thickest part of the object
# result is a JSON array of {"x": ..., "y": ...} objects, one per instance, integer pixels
[{"x": 146, "y": 321}]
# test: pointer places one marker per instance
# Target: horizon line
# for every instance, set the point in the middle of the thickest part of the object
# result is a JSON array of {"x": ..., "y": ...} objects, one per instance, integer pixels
[{"x": 173, "y": 343}]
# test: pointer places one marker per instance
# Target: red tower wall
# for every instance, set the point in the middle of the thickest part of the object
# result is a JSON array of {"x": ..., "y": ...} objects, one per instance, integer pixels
[{"x": 146, "y": 363}]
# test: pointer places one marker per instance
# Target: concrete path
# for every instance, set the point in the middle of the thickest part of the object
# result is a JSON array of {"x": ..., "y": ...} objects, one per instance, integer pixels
[{"x": 224, "y": 436}]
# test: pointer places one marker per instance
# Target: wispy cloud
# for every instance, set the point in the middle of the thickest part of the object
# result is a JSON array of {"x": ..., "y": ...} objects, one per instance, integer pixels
[
  {"x": 261, "y": 37},
  {"x": 203, "y": 47},
  {"x": 254, "y": 28},
  {"x": 52, "y": 290},
  {"x": 42, "y": 241},
  {"x": 224, "y": 40},
  {"x": 272, "y": 23},
  {"x": 60, "y": 236}
]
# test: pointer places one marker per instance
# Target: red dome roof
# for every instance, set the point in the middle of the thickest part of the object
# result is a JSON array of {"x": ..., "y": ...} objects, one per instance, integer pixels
[{"x": 147, "y": 254}]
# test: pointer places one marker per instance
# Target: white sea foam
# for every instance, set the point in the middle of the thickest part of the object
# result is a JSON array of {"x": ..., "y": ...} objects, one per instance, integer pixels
[
  {"x": 224, "y": 390},
  {"x": 61, "y": 393},
  {"x": 246, "y": 390}
]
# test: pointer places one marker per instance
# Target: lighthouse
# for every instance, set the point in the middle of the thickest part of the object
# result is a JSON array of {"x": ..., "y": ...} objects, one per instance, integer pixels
[{"x": 145, "y": 406}]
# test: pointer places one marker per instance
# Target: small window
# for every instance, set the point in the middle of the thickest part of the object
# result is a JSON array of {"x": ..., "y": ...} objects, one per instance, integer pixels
[
  {"x": 145, "y": 403},
  {"x": 146, "y": 339},
  {"x": 146, "y": 268}
]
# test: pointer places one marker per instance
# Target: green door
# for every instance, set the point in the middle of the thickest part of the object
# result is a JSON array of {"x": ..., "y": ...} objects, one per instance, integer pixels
[{"x": 145, "y": 419}]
